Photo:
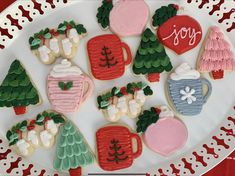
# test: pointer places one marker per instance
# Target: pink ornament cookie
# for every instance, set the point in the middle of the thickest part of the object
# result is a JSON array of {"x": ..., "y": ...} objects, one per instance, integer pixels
[
  {"x": 163, "y": 133},
  {"x": 68, "y": 87},
  {"x": 216, "y": 55},
  {"x": 129, "y": 18}
]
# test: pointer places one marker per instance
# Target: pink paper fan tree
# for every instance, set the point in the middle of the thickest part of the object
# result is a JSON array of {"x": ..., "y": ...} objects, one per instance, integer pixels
[{"x": 217, "y": 55}]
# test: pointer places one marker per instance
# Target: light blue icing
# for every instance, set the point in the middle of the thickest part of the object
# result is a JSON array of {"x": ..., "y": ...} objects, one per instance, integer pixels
[{"x": 182, "y": 106}]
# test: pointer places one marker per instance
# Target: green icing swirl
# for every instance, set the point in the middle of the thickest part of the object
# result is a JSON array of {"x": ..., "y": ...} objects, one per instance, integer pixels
[
  {"x": 151, "y": 56},
  {"x": 72, "y": 151},
  {"x": 17, "y": 89},
  {"x": 164, "y": 13},
  {"x": 103, "y": 13}
]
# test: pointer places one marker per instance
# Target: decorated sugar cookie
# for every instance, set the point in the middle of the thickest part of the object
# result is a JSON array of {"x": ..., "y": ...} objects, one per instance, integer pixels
[
  {"x": 28, "y": 135},
  {"x": 180, "y": 33},
  {"x": 187, "y": 91},
  {"x": 107, "y": 57},
  {"x": 115, "y": 147},
  {"x": 124, "y": 101},
  {"x": 50, "y": 44},
  {"x": 68, "y": 87},
  {"x": 103, "y": 13},
  {"x": 72, "y": 151},
  {"x": 162, "y": 131},
  {"x": 17, "y": 90},
  {"x": 216, "y": 55},
  {"x": 151, "y": 58}
]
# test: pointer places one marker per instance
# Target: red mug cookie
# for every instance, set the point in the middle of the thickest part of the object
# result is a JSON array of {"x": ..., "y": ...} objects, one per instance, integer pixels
[
  {"x": 115, "y": 147},
  {"x": 107, "y": 57}
]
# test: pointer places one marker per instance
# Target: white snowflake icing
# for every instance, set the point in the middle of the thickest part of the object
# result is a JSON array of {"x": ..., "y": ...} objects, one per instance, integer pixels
[{"x": 188, "y": 95}]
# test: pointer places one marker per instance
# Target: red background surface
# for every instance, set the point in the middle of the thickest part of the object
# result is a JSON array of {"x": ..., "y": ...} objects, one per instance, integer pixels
[{"x": 225, "y": 168}]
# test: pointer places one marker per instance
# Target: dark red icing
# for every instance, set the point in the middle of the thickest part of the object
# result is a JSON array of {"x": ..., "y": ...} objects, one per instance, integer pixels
[
  {"x": 4, "y": 154},
  {"x": 107, "y": 57},
  {"x": 232, "y": 27},
  {"x": 220, "y": 142},
  {"x": 25, "y": 13},
  {"x": 188, "y": 166},
  {"x": 210, "y": 151},
  {"x": 42, "y": 172},
  {"x": 200, "y": 159},
  {"x": 161, "y": 172},
  {"x": 175, "y": 32},
  {"x": 115, "y": 148},
  {"x": 229, "y": 132},
  {"x": 203, "y": 3},
  {"x": 227, "y": 15},
  {"x": 216, "y": 7},
  {"x": 51, "y": 3},
  {"x": 14, "y": 22},
  {"x": 175, "y": 171},
  {"x": 37, "y": 6},
  {"x": 5, "y": 32},
  {"x": 14, "y": 165},
  {"x": 27, "y": 171}
]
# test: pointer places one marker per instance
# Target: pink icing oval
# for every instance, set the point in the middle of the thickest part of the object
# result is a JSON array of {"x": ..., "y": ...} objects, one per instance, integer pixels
[
  {"x": 129, "y": 17},
  {"x": 166, "y": 136}
]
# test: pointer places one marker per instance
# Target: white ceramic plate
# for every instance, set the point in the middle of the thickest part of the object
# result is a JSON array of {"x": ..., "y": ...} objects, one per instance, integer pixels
[{"x": 208, "y": 142}]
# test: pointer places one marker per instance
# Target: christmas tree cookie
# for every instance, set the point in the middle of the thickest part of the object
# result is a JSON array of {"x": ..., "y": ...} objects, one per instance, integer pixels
[
  {"x": 216, "y": 55},
  {"x": 17, "y": 90},
  {"x": 28, "y": 135},
  {"x": 124, "y": 101},
  {"x": 180, "y": 33},
  {"x": 115, "y": 147},
  {"x": 49, "y": 44},
  {"x": 103, "y": 13},
  {"x": 151, "y": 58},
  {"x": 162, "y": 131},
  {"x": 72, "y": 151}
]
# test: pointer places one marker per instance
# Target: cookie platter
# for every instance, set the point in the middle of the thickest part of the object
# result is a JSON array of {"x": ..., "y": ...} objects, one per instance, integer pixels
[{"x": 205, "y": 134}]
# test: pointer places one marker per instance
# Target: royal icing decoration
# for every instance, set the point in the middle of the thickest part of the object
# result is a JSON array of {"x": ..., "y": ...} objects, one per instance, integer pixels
[
  {"x": 46, "y": 44},
  {"x": 107, "y": 58},
  {"x": 162, "y": 132},
  {"x": 216, "y": 56},
  {"x": 124, "y": 101},
  {"x": 72, "y": 151},
  {"x": 103, "y": 13},
  {"x": 28, "y": 135},
  {"x": 151, "y": 58},
  {"x": 186, "y": 91},
  {"x": 17, "y": 90},
  {"x": 115, "y": 147},
  {"x": 68, "y": 87},
  {"x": 129, "y": 18},
  {"x": 180, "y": 33}
]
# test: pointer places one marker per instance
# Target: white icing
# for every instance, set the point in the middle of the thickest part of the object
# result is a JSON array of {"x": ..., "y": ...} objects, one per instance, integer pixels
[
  {"x": 73, "y": 34},
  {"x": 23, "y": 147},
  {"x": 112, "y": 111},
  {"x": 32, "y": 137},
  {"x": 51, "y": 127},
  {"x": 134, "y": 107},
  {"x": 140, "y": 97},
  {"x": 54, "y": 46},
  {"x": 44, "y": 53},
  {"x": 45, "y": 137},
  {"x": 67, "y": 46},
  {"x": 165, "y": 112},
  {"x": 184, "y": 71},
  {"x": 183, "y": 32},
  {"x": 122, "y": 104},
  {"x": 65, "y": 68},
  {"x": 187, "y": 94}
]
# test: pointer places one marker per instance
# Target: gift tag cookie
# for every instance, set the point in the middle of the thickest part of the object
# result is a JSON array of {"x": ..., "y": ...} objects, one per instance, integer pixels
[
  {"x": 72, "y": 151},
  {"x": 28, "y": 135},
  {"x": 216, "y": 55},
  {"x": 162, "y": 131},
  {"x": 50, "y": 44},
  {"x": 115, "y": 147},
  {"x": 68, "y": 87},
  {"x": 107, "y": 57},
  {"x": 17, "y": 90},
  {"x": 186, "y": 90},
  {"x": 151, "y": 58},
  {"x": 124, "y": 101},
  {"x": 180, "y": 33}
]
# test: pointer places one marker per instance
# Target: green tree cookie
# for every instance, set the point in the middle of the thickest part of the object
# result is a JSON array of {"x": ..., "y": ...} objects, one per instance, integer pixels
[{"x": 151, "y": 58}]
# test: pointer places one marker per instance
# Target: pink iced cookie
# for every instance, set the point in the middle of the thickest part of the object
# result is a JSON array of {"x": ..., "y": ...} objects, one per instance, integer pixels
[
  {"x": 129, "y": 17},
  {"x": 167, "y": 134}
]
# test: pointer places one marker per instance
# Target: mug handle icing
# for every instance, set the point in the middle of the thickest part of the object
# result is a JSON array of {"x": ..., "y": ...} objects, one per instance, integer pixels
[
  {"x": 139, "y": 145},
  {"x": 128, "y": 51},
  {"x": 209, "y": 91},
  {"x": 89, "y": 89}
]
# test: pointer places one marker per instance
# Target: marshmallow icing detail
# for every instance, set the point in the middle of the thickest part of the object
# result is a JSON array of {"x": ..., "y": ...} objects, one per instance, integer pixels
[
  {"x": 65, "y": 69},
  {"x": 184, "y": 71}
]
